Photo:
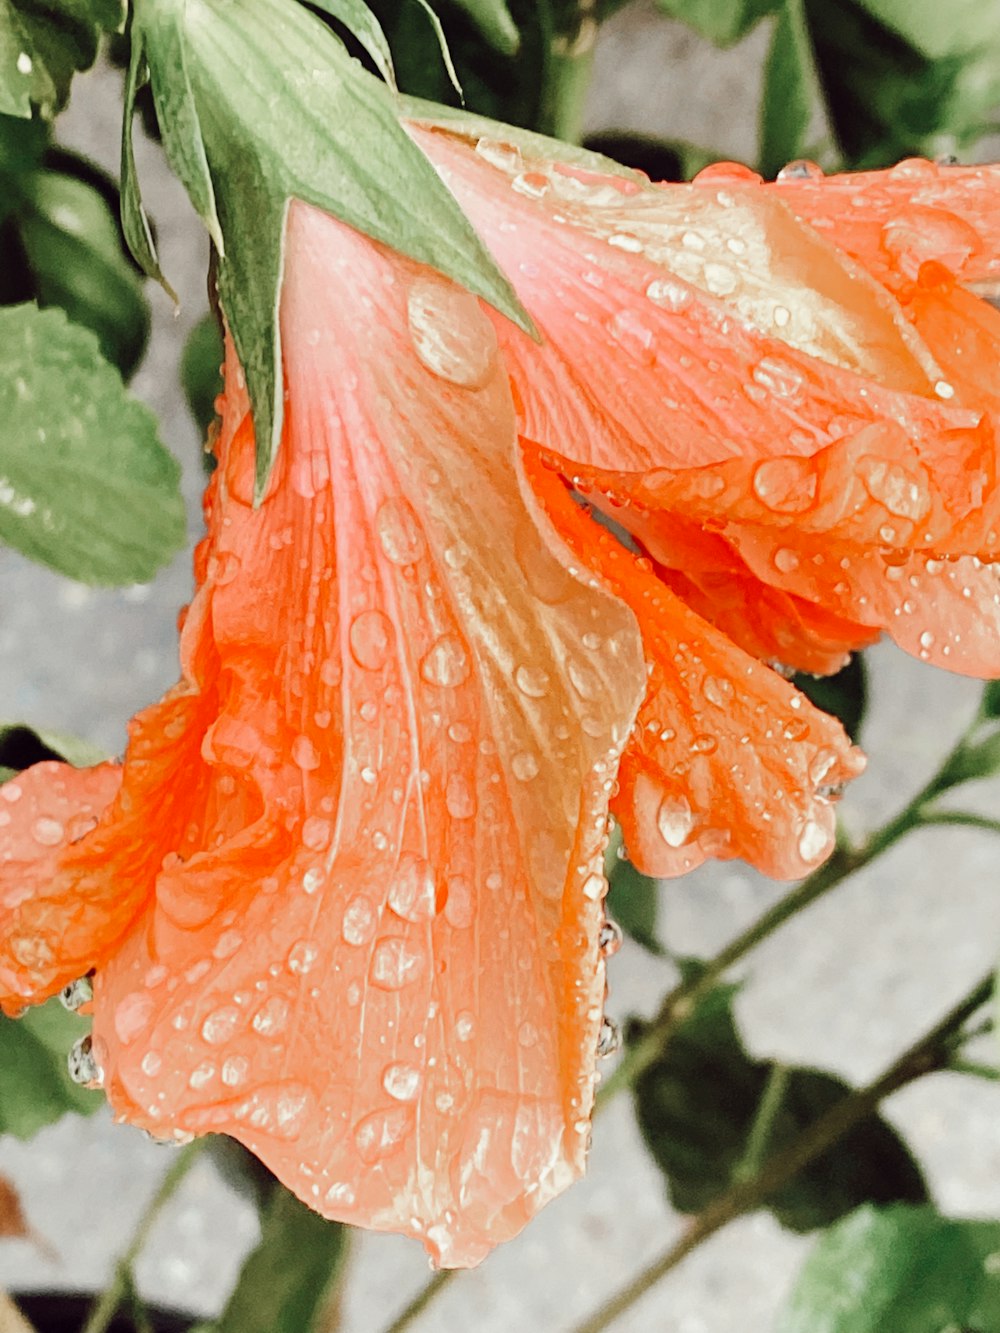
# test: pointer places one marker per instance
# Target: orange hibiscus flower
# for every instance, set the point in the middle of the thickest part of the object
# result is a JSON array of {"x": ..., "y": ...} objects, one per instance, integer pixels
[{"x": 343, "y": 898}]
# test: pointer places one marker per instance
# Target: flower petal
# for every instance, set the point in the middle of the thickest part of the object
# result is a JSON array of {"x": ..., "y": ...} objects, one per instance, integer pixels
[
  {"x": 373, "y": 951},
  {"x": 727, "y": 758},
  {"x": 54, "y": 927},
  {"x": 893, "y": 221}
]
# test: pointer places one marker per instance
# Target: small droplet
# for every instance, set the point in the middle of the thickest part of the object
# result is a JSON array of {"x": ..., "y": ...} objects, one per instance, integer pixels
[
  {"x": 800, "y": 169},
  {"x": 221, "y": 1024},
  {"x": 595, "y": 887},
  {"x": 458, "y": 903},
  {"x": 412, "y": 893},
  {"x": 396, "y": 963},
  {"x": 399, "y": 532},
  {"x": 633, "y": 336},
  {"x": 447, "y": 663},
  {"x": 669, "y": 293},
  {"x": 524, "y": 766},
  {"x": 48, "y": 832},
  {"x": 272, "y": 1017},
  {"x": 359, "y": 922},
  {"x": 465, "y": 1025},
  {"x": 609, "y": 939},
  {"x": 302, "y": 957},
  {"x": 821, "y": 764},
  {"x": 82, "y": 1063},
  {"x": 459, "y": 798},
  {"x": 402, "y": 1082},
  {"x": 786, "y": 561},
  {"x": 532, "y": 681},
  {"x": 451, "y": 335},
  {"x": 675, "y": 820},
  {"x": 381, "y": 1133},
  {"x": 235, "y": 1070},
  {"x": 814, "y": 842},
  {"x": 786, "y": 485},
  {"x": 77, "y": 994},
  {"x": 609, "y": 1039},
  {"x": 316, "y": 833},
  {"x": 371, "y": 639}
]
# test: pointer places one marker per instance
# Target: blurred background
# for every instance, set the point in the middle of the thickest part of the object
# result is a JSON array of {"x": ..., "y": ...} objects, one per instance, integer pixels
[{"x": 844, "y": 988}]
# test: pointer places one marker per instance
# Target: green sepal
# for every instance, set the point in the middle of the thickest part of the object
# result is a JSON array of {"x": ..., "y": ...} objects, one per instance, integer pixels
[
  {"x": 135, "y": 224},
  {"x": 282, "y": 111},
  {"x": 362, "y": 23}
]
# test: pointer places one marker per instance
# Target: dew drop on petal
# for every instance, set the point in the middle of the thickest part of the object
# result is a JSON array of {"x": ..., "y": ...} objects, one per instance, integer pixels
[
  {"x": 458, "y": 903},
  {"x": 371, "y": 639},
  {"x": 381, "y": 1133},
  {"x": 132, "y": 1015},
  {"x": 359, "y": 922},
  {"x": 451, "y": 335},
  {"x": 675, "y": 820},
  {"x": 398, "y": 531},
  {"x": 48, "y": 832},
  {"x": 609, "y": 1039},
  {"x": 82, "y": 1063},
  {"x": 235, "y": 1070},
  {"x": 316, "y": 833},
  {"x": 524, "y": 766},
  {"x": 77, "y": 994},
  {"x": 532, "y": 681},
  {"x": 395, "y": 963},
  {"x": 786, "y": 485},
  {"x": 413, "y": 893},
  {"x": 814, "y": 842},
  {"x": 401, "y": 1081},
  {"x": 609, "y": 939},
  {"x": 447, "y": 663},
  {"x": 271, "y": 1018},
  {"x": 302, "y": 957},
  {"x": 465, "y": 1025},
  {"x": 221, "y": 1024}
]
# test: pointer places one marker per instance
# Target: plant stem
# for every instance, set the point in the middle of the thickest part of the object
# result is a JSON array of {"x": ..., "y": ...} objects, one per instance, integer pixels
[
  {"x": 422, "y": 1299},
  {"x": 964, "y": 818},
  {"x": 759, "y": 1138},
  {"x": 930, "y": 1052},
  {"x": 107, "y": 1305}
]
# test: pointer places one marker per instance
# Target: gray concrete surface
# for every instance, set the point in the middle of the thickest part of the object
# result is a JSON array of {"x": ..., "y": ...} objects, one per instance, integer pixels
[{"x": 845, "y": 987}]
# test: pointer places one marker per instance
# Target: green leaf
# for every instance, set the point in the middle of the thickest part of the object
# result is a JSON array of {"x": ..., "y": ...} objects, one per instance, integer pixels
[
  {"x": 35, "y": 1086},
  {"x": 22, "y": 746},
  {"x": 721, "y": 21},
  {"x": 72, "y": 245},
  {"x": 790, "y": 91},
  {"x": 495, "y": 22},
  {"x": 281, "y": 111},
  {"x": 699, "y": 1111},
  {"x": 201, "y": 377},
  {"x": 362, "y": 23},
  {"x": 43, "y": 43},
  {"x": 85, "y": 484},
  {"x": 844, "y": 695},
  {"x": 633, "y": 901},
  {"x": 290, "y": 1278},
  {"x": 135, "y": 223},
  {"x": 990, "y": 705},
  {"x": 937, "y": 29},
  {"x": 899, "y": 1270}
]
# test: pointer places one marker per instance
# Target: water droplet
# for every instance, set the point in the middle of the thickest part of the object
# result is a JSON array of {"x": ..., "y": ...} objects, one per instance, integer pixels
[
  {"x": 458, "y": 904},
  {"x": 902, "y": 492},
  {"x": 718, "y": 691},
  {"x": 532, "y": 681},
  {"x": 821, "y": 764},
  {"x": 633, "y": 336},
  {"x": 781, "y": 378},
  {"x": 381, "y": 1133},
  {"x": 786, "y": 485},
  {"x": 531, "y": 183},
  {"x": 82, "y": 1063},
  {"x": 235, "y": 1070},
  {"x": 272, "y": 1017},
  {"x": 815, "y": 842},
  {"x": 670, "y": 294},
  {"x": 623, "y": 240},
  {"x": 371, "y": 639},
  {"x": 720, "y": 279},
  {"x": 340, "y": 1194},
  {"x": 221, "y": 1024},
  {"x": 412, "y": 893},
  {"x": 609, "y": 1039},
  {"x": 447, "y": 663},
  {"x": 151, "y": 1064},
  {"x": 527, "y": 1035},
  {"x": 610, "y": 938},
  {"x": 675, "y": 820},
  {"x": 132, "y": 1015},
  {"x": 359, "y": 922},
  {"x": 396, "y": 963},
  {"x": 786, "y": 561},
  {"x": 459, "y": 797},
  {"x": 504, "y": 156},
  {"x": 704, "y": 744},
  {"x": 399, "y": 532},
  {"x": 524, "y": 766},
  {"x": 800, "y": 169},
  {"x": 201, "y": 1075},
  {"x": 451, "y": 335},
  {"x": 302, "y": 957},
  {"x": 402, "y": 1082},
  {"x": 48, "y": 832},
  {"x": 465, "y": 1025},
  {"x": 77, "y": 994},
  {"x": 316, "y": 833}
]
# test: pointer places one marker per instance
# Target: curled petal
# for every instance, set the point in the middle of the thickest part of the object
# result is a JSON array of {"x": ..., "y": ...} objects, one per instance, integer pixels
[
  {"x": 54, "y": 924},
  {"x": 727, "y": 758},
  {"x": 371, "y": 947},
  {"x": 894, "y": 221}
]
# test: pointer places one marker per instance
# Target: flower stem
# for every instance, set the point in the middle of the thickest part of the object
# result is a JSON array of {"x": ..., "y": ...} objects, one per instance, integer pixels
[
  {"x": 931, "y": 1052},
  {"x": 107, "y": 1305},
  {"x": 422, "y": 1299}
]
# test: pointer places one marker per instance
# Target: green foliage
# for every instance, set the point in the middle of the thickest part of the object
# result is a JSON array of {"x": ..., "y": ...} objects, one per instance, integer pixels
[
  {"x": 936, "y": 30},
  {"x": 247, "y": 124},
  {"x": 790, "y": 90},
  {"x": 201, "y": 378},
  {"x": 289, "y": 1280},
  {"x": 700, "y": 1111},
  {"x": 633, "y": 901},
  {"x": 721, "y": 21},
  {"x": 844, "y": 695},
  {"x": 494, "y": 20},
  {"x": 43, "y": 43},
  {"x": 35, "y": 1086},
  {"x": 899, "y": 1270},
  {"x": 87, "y": 486}
]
